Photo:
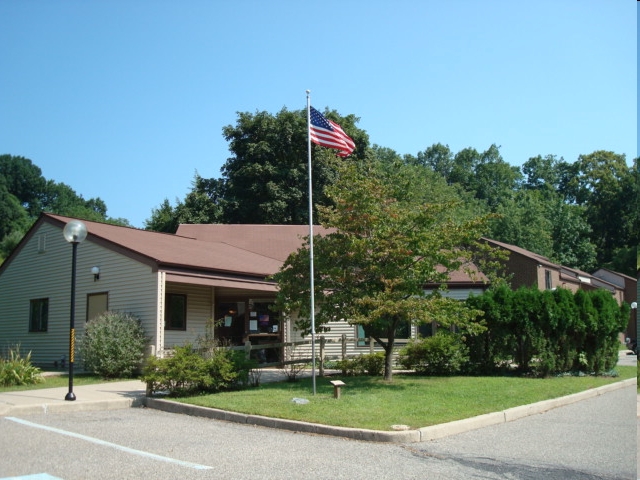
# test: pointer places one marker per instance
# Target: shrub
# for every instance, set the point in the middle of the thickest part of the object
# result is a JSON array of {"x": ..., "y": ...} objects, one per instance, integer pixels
[
  {"x": 367, "y": 364},
  {"x": 373, "y": 363},
  {"x": 113, "y": 345},
  {"x": 188, "y": 371},
  {"x": 349, "y": 366},
  {"x": 230, "y": 369},
  {"x": 180, "y": 374},
  {"x": 442, "y": 354},
  {"x": 18, "y": 370}
]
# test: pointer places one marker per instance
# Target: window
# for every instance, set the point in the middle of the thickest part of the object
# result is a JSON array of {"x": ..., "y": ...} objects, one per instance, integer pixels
[
  {"x": 39, "y": 315},
  {"x": 403, "y": 332},
  {"x": 175, "y": 317},
  {"x": 427, "y": 329},
  {"x": 97, "y": 303},
  {"x": 547, "y": 280},
  {"x": 230, "y": 322},
  {"x": 262, "y": 319}
]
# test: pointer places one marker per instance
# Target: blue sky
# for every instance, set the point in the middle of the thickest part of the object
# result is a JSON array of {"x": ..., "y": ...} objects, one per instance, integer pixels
[{"x": 126, "y": 99}]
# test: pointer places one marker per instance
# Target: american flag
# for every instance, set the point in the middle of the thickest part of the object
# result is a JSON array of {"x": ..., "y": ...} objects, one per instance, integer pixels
[{"x": 326, "y": 133}]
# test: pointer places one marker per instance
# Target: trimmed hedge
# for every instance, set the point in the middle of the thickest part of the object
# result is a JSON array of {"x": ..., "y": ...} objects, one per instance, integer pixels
[{"x": 545, "y": 332}]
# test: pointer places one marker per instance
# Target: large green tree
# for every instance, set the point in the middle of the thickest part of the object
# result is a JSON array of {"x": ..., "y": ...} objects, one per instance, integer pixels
[
  {"x": 540, "y": 221},
  {"x": 439, "y": 158},
  {"x": 201, "y": 205},
  {"x": 62, "y": 199},
  {"x": 598, "y": 183},
  {"x": 24, "y": 180},
  {"x": 485, "y": 174},
  {"x": 524, "y": 220},
  {"x": 25, "y": 193},
  {"x": 13, "y": 216},
  {"x": 546, "y": 173},
  {"x": 265, "y": 179},
  {"x": 396, "y": 230},
  {"x": 163, "y": 218}
]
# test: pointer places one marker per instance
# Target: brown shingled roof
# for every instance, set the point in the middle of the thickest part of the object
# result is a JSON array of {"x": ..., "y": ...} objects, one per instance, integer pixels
[
  {"x": 274, "y": 241},
  {"x": 253, "y": 250},
  {"x": 526, "y": 253},
  {"x": 177, "y": 251}
]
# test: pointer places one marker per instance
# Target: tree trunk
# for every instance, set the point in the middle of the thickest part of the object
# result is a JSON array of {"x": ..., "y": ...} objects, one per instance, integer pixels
[
  {"x": 388, "y": 360},
  {"x": 388, "y": 357},
  {"x": 388, "y": 364}
]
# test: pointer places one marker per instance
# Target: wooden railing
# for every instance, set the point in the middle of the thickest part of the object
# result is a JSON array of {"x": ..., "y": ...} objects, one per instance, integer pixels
[
  {"x": 321, "y": 342},
  {"x": 304, "y": 357}
]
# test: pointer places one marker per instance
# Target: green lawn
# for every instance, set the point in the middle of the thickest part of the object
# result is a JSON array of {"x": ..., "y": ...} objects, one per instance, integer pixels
[
  {"x": 53, "y": 381},
  {"x": 368, "y": 402}
]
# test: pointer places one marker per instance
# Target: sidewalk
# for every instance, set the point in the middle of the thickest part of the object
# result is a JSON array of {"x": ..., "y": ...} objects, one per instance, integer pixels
[
  {"x": 116, "y": 395},
  {"x": 102, "y": 396}
]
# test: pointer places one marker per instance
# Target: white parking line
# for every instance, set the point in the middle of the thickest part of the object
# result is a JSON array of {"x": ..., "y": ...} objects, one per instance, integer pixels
[
  {"x": 97, "y": 441},
  {"x": 36, "y": 476}
]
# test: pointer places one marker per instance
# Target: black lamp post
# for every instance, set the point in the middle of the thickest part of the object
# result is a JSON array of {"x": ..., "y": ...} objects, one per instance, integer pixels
[
  {"x": 74, "y": 232},
  {"x": 634, "y": 310}
]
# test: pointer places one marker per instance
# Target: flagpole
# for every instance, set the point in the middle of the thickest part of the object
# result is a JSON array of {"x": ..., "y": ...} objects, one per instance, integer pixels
[{"x": 311, "y": 273}]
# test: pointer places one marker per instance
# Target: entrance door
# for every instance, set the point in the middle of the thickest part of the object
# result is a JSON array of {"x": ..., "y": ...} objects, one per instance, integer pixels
[
  {"x": 230, "y": 322},
  {"x": 264, "y": 328}
]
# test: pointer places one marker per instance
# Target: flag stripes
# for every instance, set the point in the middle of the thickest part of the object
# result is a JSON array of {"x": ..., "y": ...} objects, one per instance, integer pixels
[{"x": 329, "y": 134}]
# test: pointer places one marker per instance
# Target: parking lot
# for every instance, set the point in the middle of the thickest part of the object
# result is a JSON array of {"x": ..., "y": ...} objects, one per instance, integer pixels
[{"x": 595, "y": 438}]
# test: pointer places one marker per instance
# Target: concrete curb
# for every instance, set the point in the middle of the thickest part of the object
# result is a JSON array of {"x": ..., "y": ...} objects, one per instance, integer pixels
[
  {"x": 85, "y": 406},
  {"x": 408, "y": 436},
  {"x": 424, "y": 434}
]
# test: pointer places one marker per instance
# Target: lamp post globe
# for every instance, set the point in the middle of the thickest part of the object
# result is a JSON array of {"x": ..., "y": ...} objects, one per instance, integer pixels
[{"x": 74, "y": 232}]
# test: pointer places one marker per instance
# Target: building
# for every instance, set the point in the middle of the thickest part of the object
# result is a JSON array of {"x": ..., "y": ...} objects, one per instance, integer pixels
[
  {"x": 175, "y": 284},
  {"x": 181, "y": 284},
  {"x": 629, "y": 285},
  {"x": 529, "y": 269}
]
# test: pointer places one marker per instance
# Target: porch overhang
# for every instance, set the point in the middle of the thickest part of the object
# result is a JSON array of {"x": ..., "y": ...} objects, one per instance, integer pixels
[{"x": 222, "y": 282}]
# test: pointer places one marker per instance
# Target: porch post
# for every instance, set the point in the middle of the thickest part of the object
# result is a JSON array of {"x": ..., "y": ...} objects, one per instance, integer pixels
[{"x": 159, "y": 336}]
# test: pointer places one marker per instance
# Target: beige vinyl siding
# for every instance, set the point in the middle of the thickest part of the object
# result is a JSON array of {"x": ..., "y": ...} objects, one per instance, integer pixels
[
  {"x": 46, "y": 273},
  {"x": 199, "y": 311},
  {"x": 333, "y": 345},
  {"x": 458, "y": 293},
  {"x": 131, "y": 286}
]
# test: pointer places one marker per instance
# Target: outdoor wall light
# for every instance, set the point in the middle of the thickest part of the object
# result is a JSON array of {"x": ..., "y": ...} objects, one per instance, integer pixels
[
  {"x": 74, "y": 232},
  {"x": 96, "y": 273}
]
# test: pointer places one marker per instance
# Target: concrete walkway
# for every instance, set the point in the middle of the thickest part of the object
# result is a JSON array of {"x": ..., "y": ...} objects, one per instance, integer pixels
[{"x": 126, "y": 394}]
